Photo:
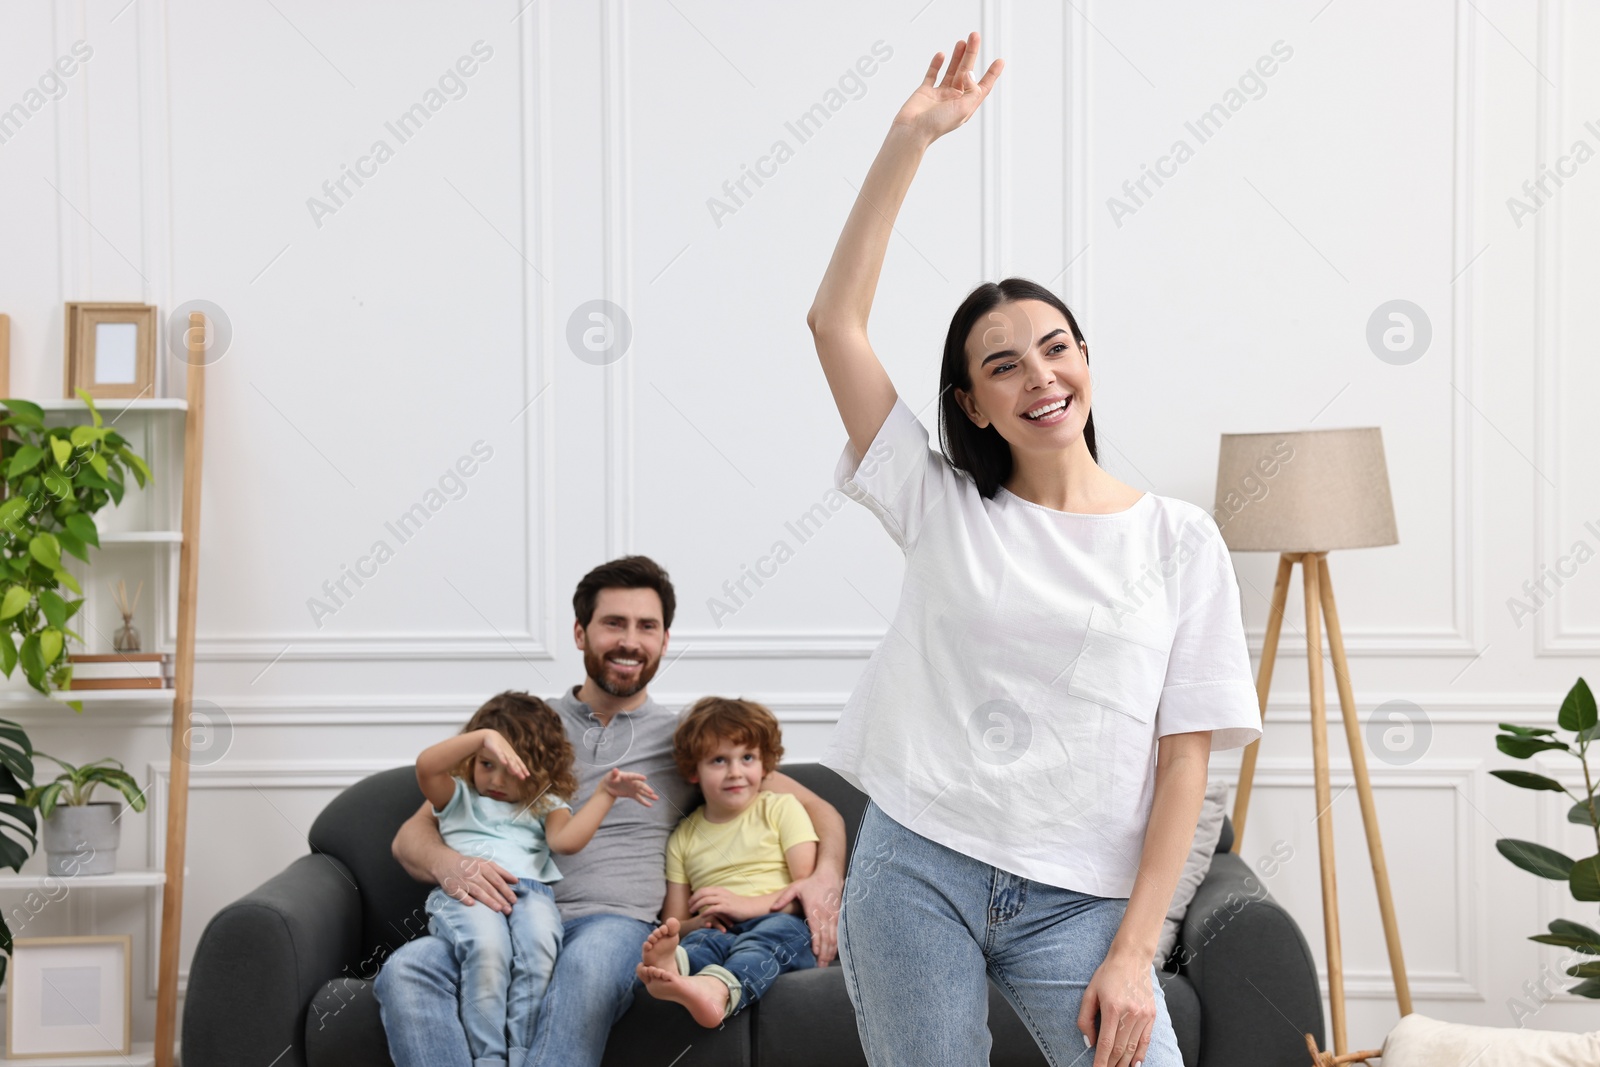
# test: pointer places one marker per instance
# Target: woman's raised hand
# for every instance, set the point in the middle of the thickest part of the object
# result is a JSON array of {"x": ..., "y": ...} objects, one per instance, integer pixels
[{"x": 936, "y": 109}]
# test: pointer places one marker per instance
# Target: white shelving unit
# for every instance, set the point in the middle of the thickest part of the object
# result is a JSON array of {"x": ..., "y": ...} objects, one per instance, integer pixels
[
  {"x": 117, "y": 880},
  {"x": 153, "y": 536},
  {"x": 12, "y": 701}
]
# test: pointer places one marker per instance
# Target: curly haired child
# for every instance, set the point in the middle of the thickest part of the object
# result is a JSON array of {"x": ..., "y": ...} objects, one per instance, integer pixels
[{"x": 498, "y": 789}]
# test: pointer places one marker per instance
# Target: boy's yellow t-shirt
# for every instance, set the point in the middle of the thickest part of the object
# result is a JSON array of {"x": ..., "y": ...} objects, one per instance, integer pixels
[{"x": 746, "y": 855}]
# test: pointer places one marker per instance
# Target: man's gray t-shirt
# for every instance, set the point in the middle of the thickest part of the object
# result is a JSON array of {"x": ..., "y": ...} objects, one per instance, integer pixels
[{"x": 622, "y": 871}]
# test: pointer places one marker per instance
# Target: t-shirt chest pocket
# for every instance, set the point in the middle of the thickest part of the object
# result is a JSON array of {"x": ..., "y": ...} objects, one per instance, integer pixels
[{"x": 1122, "y": 664}]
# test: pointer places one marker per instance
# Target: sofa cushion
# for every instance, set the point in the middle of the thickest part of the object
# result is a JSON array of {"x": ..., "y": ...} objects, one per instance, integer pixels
[{"x": 1418, "y": 1041}]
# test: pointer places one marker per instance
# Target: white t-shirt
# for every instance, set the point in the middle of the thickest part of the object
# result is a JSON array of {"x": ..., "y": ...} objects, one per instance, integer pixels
[{"x": 1012, "y": 710}]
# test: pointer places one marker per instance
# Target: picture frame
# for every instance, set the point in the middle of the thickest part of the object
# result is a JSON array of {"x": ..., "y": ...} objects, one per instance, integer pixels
[
  {"x": 70, "y": 996},
  {"x": 110, "y": 350}
]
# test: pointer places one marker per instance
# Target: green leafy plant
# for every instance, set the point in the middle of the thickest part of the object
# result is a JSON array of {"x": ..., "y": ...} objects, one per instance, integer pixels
[
  {"x": 1583, "y": 875},
  {"x": 18, "y": 826},
  {"x": 76, "y": 784},
  {"x": 56, "y": 479}
]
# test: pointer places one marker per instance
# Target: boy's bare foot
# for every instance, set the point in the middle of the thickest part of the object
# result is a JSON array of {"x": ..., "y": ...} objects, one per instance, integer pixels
[
  {"x": 660, "y": 948},
  {"x": 704, "y": 996}
]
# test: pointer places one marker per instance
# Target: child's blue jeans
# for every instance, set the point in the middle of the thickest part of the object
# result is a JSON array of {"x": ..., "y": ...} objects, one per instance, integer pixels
[
  {"x": 505, "y": 967},
  {"x": 753, "y": 953}
]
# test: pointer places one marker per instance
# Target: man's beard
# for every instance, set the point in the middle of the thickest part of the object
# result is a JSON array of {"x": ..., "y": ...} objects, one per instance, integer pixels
[{"x": 598, "y": 669}]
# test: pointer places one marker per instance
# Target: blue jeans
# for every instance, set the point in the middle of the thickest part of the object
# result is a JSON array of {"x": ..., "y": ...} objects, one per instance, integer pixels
[
  {"x": 505, "y": 964},
  {"x": 921, "y": 927},
  {"x": 754, "y": 952},
  {"x": 592, "y": 985}
]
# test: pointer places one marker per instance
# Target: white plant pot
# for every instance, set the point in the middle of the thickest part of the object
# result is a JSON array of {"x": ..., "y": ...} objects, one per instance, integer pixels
[{"x": 83, "y": 839}]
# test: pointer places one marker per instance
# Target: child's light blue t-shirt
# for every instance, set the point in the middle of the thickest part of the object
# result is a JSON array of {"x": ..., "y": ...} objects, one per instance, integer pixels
[{"x": 498, "y": 830}]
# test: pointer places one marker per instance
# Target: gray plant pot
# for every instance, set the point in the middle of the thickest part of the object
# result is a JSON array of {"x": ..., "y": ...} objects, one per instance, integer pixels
[{"x": 83, "y": 840}]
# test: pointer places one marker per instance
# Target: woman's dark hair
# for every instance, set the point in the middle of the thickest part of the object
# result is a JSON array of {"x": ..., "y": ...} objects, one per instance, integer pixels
[
  {"x": 983, "y": 453},
  {"x": 628, "y": 572}
]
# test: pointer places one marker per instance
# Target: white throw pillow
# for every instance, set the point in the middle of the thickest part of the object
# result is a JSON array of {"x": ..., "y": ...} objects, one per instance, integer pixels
[
  {"x": 1195, "y": 867},
  {"x": 1418, "y": 1041}
]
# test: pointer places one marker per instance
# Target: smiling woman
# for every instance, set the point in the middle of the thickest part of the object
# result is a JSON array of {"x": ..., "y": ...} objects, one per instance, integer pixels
[{"x": 1033, "y": 738}]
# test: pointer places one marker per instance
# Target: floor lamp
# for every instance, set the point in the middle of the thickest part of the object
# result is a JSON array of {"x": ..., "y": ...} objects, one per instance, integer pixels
[{"x": 1302, "y": 494}]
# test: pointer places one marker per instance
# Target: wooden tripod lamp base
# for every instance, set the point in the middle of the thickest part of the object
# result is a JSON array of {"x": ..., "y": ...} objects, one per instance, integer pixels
[
  {"x": 1329, "y": 1059},
  {"x": 1319, "y": 605}
]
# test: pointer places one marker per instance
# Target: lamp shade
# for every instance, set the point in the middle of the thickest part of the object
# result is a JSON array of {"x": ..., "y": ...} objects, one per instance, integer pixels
[{"x": 1304, "y": 491}]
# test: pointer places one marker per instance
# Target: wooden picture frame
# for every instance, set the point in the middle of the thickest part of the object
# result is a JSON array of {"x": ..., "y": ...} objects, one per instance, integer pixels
[
  {"x": 110, "y": 350},
  {"x": 93, "y": 981}
]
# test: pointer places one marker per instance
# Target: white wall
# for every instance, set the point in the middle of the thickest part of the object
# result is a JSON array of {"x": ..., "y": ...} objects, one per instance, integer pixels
[{"x": 375, "y": 344}]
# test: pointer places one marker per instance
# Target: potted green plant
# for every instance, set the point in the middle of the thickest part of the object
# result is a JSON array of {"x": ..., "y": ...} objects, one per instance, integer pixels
[
  {"x": 18, "y": 826},
  {"x": 56, "y": 478},
  {"x": 1582, "y": 875},
  {"x": 80, "y": 835}
]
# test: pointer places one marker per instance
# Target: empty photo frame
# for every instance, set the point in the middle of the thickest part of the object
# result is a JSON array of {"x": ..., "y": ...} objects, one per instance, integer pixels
[
  {"x": 69, "y": 996},
  {"x": 110, "y": 350}
]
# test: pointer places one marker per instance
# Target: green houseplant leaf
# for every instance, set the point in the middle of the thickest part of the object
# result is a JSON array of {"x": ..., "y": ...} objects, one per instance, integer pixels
[
  {"x": 94, "y": 412},
  {"x": 54, "y": 608},
  {"x": 1527, "y": 731},
  {"x": 23, "y": 460},
  {"x": 26, "y": 412},
  {"x": 1536, "y": 858},
  {"x": 1584, "y": 880},
  {"x": 16, "y": 598},
  {"x": 46, "y": 549},
  {"x": 83, "y": 527},
  {"x": 1527, "y": 780},
  {"x": 1523, "y": 747},
  {"x": 18, "y": 823},
  {"x": 1589, "y": 987},
  {"x": 1589, "y": 943},
  {"x": 1578, "y": 709},
  {"x": 1584, "y": 812}
]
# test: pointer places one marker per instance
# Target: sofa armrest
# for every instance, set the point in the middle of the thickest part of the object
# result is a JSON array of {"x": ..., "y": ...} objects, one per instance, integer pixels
[
  {"x": 260, "y": 961},
  {"x": 1252, "y": 969}
]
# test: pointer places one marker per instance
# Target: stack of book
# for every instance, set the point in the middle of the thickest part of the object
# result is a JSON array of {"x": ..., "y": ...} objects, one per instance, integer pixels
[{"x": 121, "y": 670}]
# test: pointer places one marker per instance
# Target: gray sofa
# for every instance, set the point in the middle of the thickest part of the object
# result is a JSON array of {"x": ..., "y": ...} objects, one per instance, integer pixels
[{"x": 283, "y": 976}]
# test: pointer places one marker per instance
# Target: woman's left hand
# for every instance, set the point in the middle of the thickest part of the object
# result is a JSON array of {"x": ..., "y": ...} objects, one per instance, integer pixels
[
  {"x": 820, "y": 897},
  {"x": 1121, "y": 992}
]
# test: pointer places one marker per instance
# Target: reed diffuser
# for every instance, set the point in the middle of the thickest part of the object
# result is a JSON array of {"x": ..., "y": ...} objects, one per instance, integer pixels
[{"x": 126, "y": 639}]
